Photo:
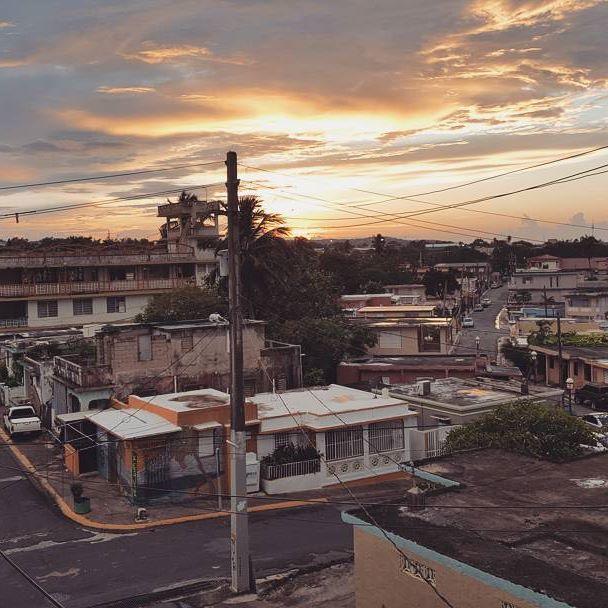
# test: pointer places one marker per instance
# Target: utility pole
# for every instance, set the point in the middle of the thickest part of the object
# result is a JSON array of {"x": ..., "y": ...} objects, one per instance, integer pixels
[
  {"x": 559, "y": 351},
  {"x": 239, "y": 525}
]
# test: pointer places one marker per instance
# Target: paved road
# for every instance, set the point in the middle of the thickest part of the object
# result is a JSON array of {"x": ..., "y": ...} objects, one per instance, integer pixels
[
  {"x": 82, "y": 568},
  {"x": 485, "y": 327}
]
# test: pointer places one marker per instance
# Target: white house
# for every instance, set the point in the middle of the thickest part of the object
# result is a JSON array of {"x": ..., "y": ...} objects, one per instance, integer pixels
[{"x": 357, "y": 433}]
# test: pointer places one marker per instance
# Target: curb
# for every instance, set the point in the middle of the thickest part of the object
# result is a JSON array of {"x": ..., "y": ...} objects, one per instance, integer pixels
[{"x": 66, "y": 510}]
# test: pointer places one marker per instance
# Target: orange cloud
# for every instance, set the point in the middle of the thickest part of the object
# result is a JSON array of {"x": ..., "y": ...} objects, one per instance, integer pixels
[
  {"x": 501, "y": 15},
  {"x": 124, "y": 90},
  {"x": 155, "y": 54}
]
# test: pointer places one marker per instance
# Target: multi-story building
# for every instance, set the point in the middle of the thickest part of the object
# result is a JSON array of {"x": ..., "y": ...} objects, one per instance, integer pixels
[
  {"x": 408, "y": 330},
  {"x": 530, "y": 286},
  {"x": 154, "y": 358},
  {"x": 589, "y": 301},
  {"x": 99, "y": 283}
]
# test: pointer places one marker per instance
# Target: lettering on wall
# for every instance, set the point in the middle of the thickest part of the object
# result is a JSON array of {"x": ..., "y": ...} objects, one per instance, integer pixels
[
  {"x": 508, "y": 605},
  {"x": 418, "y": 570}
]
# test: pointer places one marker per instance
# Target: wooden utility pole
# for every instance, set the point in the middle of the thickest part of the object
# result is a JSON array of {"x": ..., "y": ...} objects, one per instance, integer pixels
[
  {"x": 239, "y": 525},
  {"x": 559, "y": 351}
]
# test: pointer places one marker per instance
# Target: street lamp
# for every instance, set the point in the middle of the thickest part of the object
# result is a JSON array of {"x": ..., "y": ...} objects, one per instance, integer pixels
[
  {"x": 533, "y": 357},
  {"x": 569, "y": 387}
]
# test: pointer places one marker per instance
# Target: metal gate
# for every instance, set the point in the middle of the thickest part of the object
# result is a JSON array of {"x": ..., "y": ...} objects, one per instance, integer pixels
[{"x": 157, "y": 474}]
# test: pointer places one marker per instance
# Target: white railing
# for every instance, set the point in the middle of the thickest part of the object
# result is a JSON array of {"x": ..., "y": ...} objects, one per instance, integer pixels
[
  {"x": 291, "y": 469},
  {"x": 13, "y": 322},
  {"x": 54, "y": 289},
  {"x": 429, "y": 443},
  {"x": 386, "y": 438},
  {"x": 346, "y": 443}
]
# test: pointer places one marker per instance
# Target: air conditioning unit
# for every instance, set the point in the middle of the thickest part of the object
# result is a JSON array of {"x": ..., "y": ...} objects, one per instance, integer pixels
[{"x": 424, "y": 388}]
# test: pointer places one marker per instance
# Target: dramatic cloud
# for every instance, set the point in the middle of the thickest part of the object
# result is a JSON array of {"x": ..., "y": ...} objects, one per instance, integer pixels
[{"x": 397, "y": 97}]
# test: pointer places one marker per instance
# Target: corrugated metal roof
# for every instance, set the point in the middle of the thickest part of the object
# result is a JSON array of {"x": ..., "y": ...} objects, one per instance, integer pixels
[{"x": 131, "y": 423}]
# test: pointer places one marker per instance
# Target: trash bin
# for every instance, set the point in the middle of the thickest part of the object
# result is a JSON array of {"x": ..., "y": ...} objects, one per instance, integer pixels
[{"x": 82, "y": 505}]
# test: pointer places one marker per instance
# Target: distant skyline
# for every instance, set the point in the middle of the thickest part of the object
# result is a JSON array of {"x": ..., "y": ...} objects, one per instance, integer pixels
[{"x": 394, "y": 97}]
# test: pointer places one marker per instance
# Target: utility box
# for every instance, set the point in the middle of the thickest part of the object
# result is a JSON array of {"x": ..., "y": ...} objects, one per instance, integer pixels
[{"x": 253, "y": 472}]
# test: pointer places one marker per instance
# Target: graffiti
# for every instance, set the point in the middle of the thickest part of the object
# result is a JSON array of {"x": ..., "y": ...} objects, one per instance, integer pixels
[{"x": 418, "y": 570}]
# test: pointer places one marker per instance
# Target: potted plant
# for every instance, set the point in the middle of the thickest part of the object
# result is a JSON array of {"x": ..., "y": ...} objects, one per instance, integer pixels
[{"x": 82, "y": 504}]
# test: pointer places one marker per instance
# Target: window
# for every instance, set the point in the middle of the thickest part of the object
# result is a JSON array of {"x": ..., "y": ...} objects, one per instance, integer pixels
[
  {"x": 551, "y": 363},
  {"x": 144, "y": 348},
  {"x": 187, "y": 343},
  {"x": 116, "y": 304},
  {"x": 344, "y": 443},
  {"x": 281, "y": 440},
  {"x": 47, "y": 308},
  {"x": 587, "y": 370},
  {"x": 386, "y": 436},
  {"x": 429, "y": 338},
  {"x": 83, "y": 306},
  {"x": 389, "y": 340}
]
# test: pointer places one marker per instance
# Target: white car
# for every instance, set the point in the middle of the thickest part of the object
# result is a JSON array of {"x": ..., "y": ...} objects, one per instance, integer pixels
[
  {"x": 478, "y": 308},
  {"x": 486, "y": 302},
  {"x": 22, "y": 419},
  {"x": 598, "y": 422},
  {"x": 468, "y": 322}
]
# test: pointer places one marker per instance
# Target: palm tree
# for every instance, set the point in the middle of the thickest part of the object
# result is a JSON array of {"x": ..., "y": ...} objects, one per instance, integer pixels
[{"x": 263, "y": 248}]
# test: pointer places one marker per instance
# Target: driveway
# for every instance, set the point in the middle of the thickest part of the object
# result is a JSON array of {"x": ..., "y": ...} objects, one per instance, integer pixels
[{"x": 485, "y": 327}]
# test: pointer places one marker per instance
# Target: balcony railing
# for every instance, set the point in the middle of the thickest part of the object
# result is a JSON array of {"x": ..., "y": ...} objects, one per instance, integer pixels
[
  {"x": 57, "y": 289},
  {"x": 271, "y": 472},
  {"x": 21, "y": 322},
  {"x": 81, "y": 372}
]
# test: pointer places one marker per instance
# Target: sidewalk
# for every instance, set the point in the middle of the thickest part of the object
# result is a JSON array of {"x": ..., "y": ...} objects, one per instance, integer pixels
[{"x": 111, "y": 510}]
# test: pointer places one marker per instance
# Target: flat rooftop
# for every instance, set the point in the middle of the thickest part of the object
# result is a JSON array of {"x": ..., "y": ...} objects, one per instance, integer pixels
[
  {"x": 308, "y": 406},
  {"x": 413, "y": 361},
  {"x": 597, "y": 353},
  {"x": 537, "y": 524},
  {"x": 469, "y": 394},
  {"x": 132, "y": 423},
  {"x": 188, "y": 400},
  {"x": 396, "y": 308}
]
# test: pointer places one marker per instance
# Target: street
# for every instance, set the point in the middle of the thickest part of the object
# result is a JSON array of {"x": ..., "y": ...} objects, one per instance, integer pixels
[
  {"x": 485, "y": 327},
  {"x": 83, "y": 568}
]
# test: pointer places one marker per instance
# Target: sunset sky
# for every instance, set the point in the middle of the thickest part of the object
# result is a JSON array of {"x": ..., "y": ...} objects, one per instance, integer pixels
[{"x": 394, "y": 97}]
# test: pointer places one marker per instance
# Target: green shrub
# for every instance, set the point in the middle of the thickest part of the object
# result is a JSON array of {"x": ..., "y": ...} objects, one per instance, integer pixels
[
  {"x": 529, "y": 428},
  {"x": 286, "y": 454}
]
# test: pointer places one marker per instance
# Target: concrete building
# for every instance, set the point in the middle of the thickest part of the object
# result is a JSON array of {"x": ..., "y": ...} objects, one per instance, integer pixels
[
  {"x": 450, "y": 553},
  {"x": 73, "y": 285},
  {"x": 529, "y": 286},
  {"x": 581, "y": 363},
  {"x": 155, "y": 358},
  {"x": 407, "y": 293},
  {"x": 155, "y": 447},
  {"x": 358, "y": 433},
  {"x": 370, "y": 372},
  {"x": 453, "y": 401},
  {"x": 351, "y": 303},
  {"x": 589, "y": 300},
  {"x": 408, "y": 330}
]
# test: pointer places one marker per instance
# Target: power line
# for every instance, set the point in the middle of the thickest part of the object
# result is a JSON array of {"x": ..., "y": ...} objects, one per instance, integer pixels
[
  {"x": 109, "y": 175},
  {"x": 394, "y": 216},
  {"x": 31, "y": 580},
  {"x": 42, "y": 210},
  {"x": 470, "y": 183}
]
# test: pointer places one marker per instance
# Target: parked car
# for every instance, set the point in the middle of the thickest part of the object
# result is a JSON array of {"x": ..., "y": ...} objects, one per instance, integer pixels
[
  {"x": 468, "y": 322},
  {"x": 486, "y": 302},
  {"x": 478, "y": 308},
  {"x": 593, "y": 395},
  {"x": 21, "y": 420},
  {"x": 599, "y": 422}
]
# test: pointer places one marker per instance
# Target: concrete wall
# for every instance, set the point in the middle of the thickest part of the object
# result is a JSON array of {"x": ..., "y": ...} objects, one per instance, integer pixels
[
  {"x": 134, "y": 304},
  {"x": 407, "y": 344},
  {"x": 383, "y": 580}
]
